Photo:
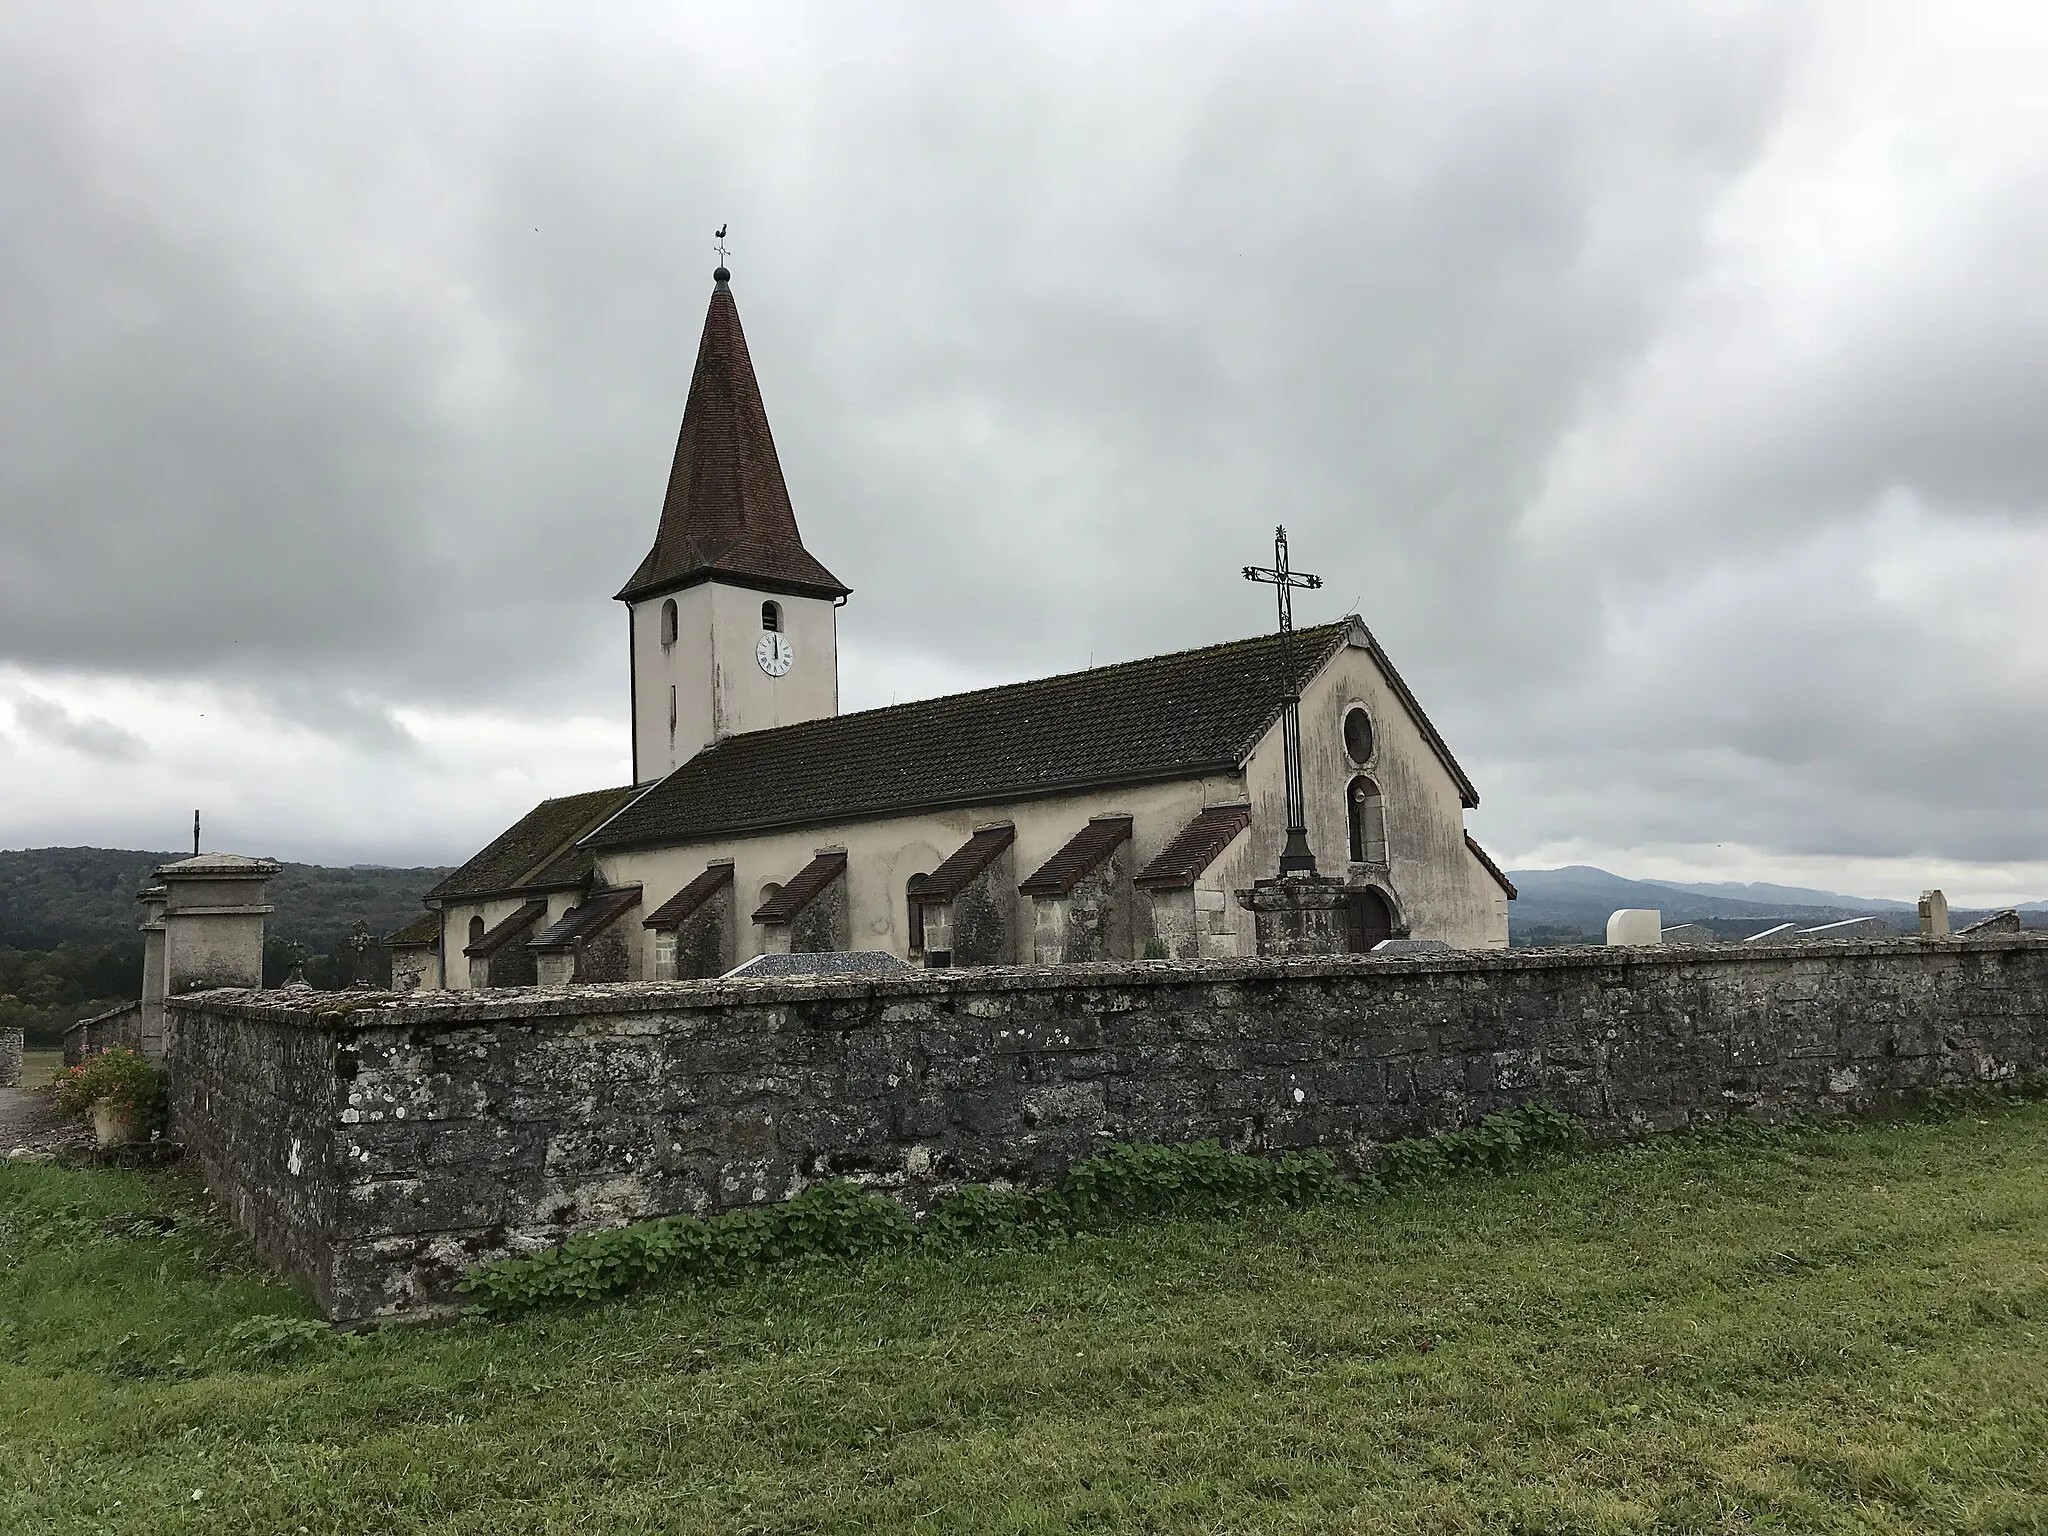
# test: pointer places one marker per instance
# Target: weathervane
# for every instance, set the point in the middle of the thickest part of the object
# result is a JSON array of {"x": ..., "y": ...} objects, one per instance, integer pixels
[
  {"x": 1296, "y": 858},
  {"x": 720, "y": 246}
]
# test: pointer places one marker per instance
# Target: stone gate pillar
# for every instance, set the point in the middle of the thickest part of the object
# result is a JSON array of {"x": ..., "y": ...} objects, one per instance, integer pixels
[{"x": 204, "y": 928}]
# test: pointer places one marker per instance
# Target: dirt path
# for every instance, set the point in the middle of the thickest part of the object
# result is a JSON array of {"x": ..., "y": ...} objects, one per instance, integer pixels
[{"x": 30, "y": 1122}]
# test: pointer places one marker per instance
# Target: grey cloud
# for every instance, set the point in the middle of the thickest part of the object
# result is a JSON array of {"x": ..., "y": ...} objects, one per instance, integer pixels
[
  {"x": 346, "y": 718},
  {"x": 86, "y": 734},
  {"x": 348, "y": 347}
]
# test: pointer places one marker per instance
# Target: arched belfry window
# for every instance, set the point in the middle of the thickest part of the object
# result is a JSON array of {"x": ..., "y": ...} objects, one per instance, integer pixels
[
  {"x": 771, "y": 618},
  {"x": 476, "y": 930},
  {"x": 1367, "y": 811},
  {"x": 668, "y": 622}
]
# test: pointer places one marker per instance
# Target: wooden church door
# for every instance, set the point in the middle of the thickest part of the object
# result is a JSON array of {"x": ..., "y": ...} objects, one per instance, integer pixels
[{"x": 1367, "y": 920}]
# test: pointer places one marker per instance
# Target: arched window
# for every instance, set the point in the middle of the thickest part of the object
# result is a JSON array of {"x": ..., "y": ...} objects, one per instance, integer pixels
[
  {"x": 771, "y": 617},
  {"x": 916, "y": 909},
  {"x": 668, "y": 622},
  {"x": 768, "y": 893},
  {"x": 476, "y": 930},
  {"x": 1368, "y": 820},
  {"x": 1358, "y": 736}
]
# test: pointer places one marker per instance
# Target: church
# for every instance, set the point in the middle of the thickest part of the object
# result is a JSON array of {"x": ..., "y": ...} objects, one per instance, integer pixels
[{"x": 1109, "y": 814}]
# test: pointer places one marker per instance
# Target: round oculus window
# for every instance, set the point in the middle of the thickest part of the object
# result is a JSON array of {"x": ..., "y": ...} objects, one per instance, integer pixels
[{"x": 1358, "y": 736}]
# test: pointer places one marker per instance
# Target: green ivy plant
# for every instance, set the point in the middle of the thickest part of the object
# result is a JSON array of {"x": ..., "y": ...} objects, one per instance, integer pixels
[{"x": 1130, "y": 1183}]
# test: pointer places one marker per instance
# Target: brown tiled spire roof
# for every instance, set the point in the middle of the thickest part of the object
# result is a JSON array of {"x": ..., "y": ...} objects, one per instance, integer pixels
[{"x": 727, "y": 516}]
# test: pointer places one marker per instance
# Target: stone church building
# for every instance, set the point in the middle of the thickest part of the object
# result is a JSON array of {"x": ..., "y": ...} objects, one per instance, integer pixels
[{"x": 1106, "y": 814}]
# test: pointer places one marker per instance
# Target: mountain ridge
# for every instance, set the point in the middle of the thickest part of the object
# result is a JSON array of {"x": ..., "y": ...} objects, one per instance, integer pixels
[
  {"x": 86, "y": 896},
  {"x": 1571, "y": 905}
]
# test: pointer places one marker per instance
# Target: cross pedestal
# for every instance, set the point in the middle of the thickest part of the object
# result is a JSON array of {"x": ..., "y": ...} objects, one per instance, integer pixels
[{"x": 1297, "y": 916}]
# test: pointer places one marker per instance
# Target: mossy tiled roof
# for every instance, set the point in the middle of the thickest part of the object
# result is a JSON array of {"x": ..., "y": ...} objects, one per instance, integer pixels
[
  {"x": 1164, "y": 717},
  {"x": 422, "y": 930},
  {"x": 536, "y": 852}
]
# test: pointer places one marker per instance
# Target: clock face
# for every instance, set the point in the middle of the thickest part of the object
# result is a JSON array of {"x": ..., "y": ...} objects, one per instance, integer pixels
[{"x": 775, "y": 653}]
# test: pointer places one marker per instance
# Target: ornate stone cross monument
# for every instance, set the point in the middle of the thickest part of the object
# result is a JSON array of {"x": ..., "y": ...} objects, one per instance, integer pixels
[
  {"x": 1296, "y": 858},
  {"x": 1301, "y": 912}
]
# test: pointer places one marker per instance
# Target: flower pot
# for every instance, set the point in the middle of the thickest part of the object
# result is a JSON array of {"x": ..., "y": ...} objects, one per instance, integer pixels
[{"x": 112, "y": 1124}]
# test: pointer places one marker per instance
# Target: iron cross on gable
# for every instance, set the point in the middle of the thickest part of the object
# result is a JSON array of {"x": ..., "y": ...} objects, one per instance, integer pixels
[
  {"x": 1283, "y": 579},
  {"x": 1295, "y": 858}
]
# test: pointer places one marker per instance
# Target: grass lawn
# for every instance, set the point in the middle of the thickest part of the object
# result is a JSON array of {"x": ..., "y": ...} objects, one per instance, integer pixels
[
  {"x": 1835, "y": 1330},
  {"x": 38, "y": 1066}
]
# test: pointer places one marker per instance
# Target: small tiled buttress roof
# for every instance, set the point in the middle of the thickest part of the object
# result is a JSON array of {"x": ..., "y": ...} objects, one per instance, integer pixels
[
  {"x": 678, "y": 908},
  {"x": 1194, "y": 848},
  {"x": 803, "y": 886},
  {"x": 1084, "y": 853},
  {"x": 727, "y": 515},
  {"x": 964, "y": 864},
  {"x": 1140, "y": 722},
  {"x": 1493, "y": 869},
  {"x": 537, "y": 852},
  {"x": 588, "y": 918},
  {"x": 507, "y": 929}
]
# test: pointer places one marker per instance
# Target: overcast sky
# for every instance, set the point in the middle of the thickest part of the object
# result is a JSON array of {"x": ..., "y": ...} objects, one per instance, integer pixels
[{"x": 1665, "y": 384}]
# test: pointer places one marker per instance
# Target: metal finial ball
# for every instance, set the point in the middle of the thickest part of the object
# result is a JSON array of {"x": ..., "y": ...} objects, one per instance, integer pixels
[{"x": 720, "y": 275}]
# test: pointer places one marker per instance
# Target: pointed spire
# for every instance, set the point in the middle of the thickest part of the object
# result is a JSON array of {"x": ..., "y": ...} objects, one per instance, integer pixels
[{"x": 727, "y": 516}]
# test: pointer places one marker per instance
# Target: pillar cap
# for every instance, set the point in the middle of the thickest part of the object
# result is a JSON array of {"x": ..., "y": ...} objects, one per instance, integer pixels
[{"x": 218, "y": 866}]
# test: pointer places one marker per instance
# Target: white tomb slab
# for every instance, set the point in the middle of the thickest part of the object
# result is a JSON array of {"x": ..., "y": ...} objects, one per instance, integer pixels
[{"x": 1636, "y": 925}]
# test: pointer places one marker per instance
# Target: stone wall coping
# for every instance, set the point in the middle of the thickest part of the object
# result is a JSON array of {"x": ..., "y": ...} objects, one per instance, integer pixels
[{"x": 370, "y": 1010}]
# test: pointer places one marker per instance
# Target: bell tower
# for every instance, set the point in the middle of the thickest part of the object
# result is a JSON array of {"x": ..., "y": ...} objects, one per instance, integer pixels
[{"x": 732, "y": 623}]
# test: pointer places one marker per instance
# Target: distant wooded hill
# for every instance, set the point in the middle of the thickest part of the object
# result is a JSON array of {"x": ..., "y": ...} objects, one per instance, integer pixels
[
  {"x": 86, "y": 896},
  {"x": 1571, "y": 905}
]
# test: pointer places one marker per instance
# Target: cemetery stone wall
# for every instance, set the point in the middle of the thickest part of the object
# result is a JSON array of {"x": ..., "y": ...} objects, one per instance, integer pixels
[{"x": 378, "y": 1145}]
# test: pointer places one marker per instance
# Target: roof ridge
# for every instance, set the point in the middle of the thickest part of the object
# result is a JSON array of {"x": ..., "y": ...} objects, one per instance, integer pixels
[{"x": 1021, "y": 683}]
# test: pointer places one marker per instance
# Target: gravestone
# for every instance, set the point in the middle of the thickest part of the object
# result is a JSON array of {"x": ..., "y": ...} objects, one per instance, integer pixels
[
  {"x": 2007, "y": 921},
  {"x": 1849, "y": 928},
  {"x": 1692, "y": 933},
  {"x": 1933, "y": 915},
  {"x": 1636, "y": 926}
]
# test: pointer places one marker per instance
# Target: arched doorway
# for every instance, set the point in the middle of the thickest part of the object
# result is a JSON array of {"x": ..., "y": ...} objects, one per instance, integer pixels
[{"x": 1367, "y": 920}]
